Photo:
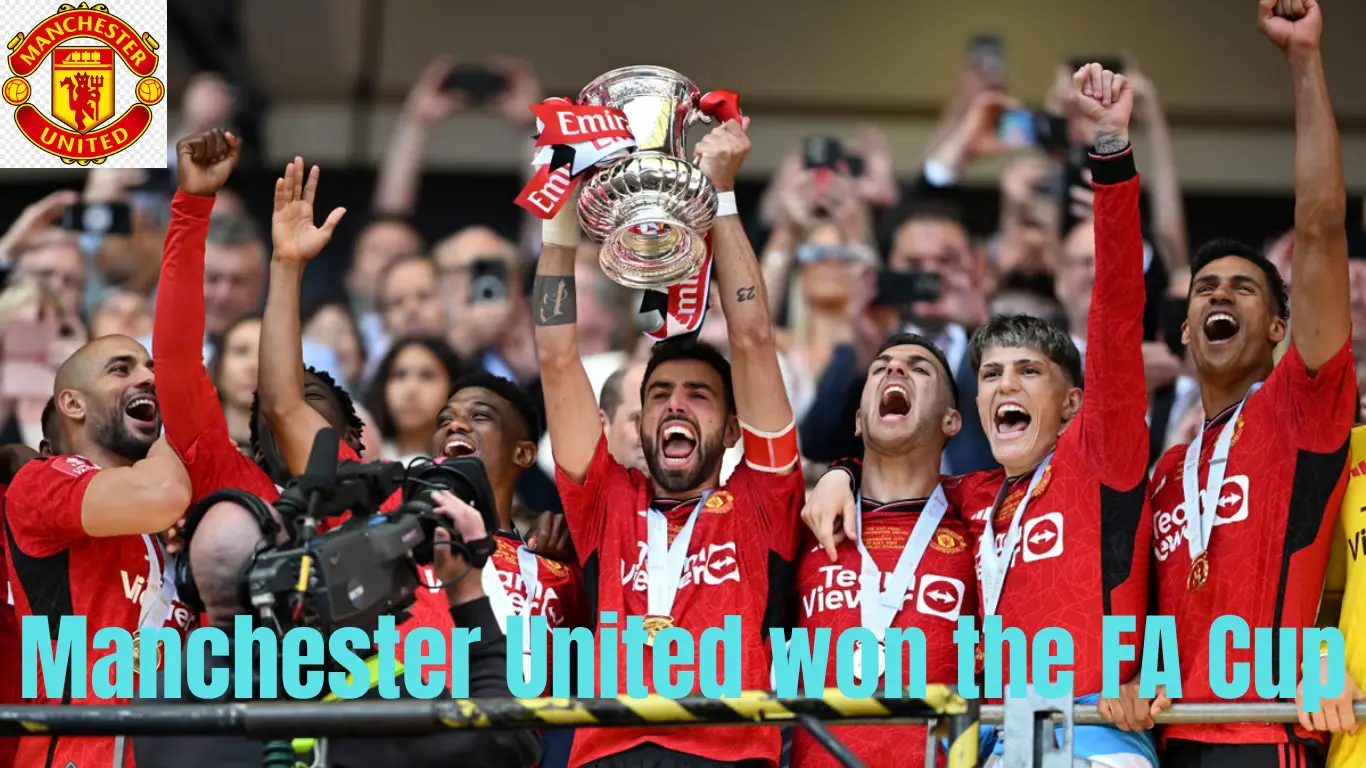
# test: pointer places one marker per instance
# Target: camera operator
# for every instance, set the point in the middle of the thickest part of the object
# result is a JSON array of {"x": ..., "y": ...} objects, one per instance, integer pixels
[{"x": 229, "y": 534}]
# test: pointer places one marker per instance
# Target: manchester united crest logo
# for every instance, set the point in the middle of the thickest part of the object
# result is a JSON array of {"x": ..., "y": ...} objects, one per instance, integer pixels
[
  {"x": 555, "y": 568},
  {"x": 98, "y": 100},
  {"x": 719, "y": 502},
  {"x": 948, "y": 542}
]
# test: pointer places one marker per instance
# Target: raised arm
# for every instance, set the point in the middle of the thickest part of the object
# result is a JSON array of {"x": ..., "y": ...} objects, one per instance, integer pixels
[
  {"x": 189, "y": 407},
  {"x": 1113, "y": 425},
  {"x": 1319, "y": 292},
  {"x": 571, "y": 409},
  {"x": 760, "y": 397},
  {"x": 296, "y": 241}
]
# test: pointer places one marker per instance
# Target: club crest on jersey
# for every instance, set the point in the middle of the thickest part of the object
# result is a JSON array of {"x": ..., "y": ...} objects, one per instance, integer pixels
[
  {"x": 948, "y": 542},
  {"x": 555, "y": 568},
  {"x": 719, "y": 502}
]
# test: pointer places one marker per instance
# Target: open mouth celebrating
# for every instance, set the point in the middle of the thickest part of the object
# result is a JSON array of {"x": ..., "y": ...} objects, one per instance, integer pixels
[
  {"x": 458, "y": 446},
  {"x": 895, "y": 402},
  {"x": 142, "y": 412},
  {"x": 1012, "y": 420},
  {"x": 1220, "y": 327},
  {"x": 678, "y": 442}
]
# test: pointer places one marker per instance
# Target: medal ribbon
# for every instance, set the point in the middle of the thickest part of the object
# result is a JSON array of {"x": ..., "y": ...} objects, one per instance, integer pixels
[
  {"x": 682, "y": 309},
  {"x": 878, "y": 607},
  {"x": 1201, "y": 511},
  {"x": 500, "y": 598},
  {"x": 995, "y": 564},
  {"x": 160, "y": 591},
  {"x": 664, "y": 563}
]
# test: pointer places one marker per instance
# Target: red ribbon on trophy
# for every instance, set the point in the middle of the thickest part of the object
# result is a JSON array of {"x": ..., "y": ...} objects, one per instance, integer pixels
[
  {"x": 682, "y": 310},
  {"x": 571, "y": 139}
]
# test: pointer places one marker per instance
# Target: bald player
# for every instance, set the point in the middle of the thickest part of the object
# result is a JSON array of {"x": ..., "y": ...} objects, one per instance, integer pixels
[
  {"x": 81, "y": 527},
  {"x": 619, "y": 407}
]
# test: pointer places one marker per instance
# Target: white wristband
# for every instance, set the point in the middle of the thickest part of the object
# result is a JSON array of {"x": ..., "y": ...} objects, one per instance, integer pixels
[
  {"x": 725, "y": 204},
  {"x": 563, "y": 230}
]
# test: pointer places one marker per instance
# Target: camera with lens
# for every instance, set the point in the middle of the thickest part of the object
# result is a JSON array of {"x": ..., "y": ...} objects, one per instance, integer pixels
[{"x": 347, "y": 565}]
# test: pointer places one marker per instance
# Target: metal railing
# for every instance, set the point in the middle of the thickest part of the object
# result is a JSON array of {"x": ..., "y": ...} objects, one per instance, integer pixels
[{"x": 953, "y": 719}]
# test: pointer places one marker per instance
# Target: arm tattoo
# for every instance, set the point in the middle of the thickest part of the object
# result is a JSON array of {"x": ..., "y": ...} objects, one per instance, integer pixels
[
  {"x": 553, "y": 300},
  {"x": 745, "y": 294},
  {"x": 1109, "y": 143}
]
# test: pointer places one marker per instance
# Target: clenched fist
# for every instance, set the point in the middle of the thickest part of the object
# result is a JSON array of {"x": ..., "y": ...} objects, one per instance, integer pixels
[
  {"x": 722, "y": 151},
  {"x": 1105, "y": 98},
  {"x": 1293, "y": 25},
  {"x": 205, "y": 160}
]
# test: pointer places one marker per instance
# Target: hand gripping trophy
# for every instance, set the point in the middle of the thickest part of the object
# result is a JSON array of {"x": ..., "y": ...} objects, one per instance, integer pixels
[{"x": 643, "y": 200}]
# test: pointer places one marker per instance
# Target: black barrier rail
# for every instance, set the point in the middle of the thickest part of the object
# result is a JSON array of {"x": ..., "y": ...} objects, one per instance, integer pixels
[{"x": 266, "y": 720}]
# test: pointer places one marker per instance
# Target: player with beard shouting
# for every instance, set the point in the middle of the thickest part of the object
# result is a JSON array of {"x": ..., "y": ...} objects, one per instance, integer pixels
[
  {"x": 1061, "y": 533},
  {"x": 910, "y": 545},
  {"x": 1268, "y": 469},
  {"x": 672, "y": 546},
  {"x": 81, "y": 529}
]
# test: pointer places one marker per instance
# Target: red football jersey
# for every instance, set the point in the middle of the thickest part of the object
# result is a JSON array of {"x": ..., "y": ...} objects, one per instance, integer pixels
[
  {"x": 1268, "y": 550},
  {"x": 10, "y": 668},
  {"x": 56, "y": 570},
  {"x": 942, "y": 590},
  {"x": 559, "y": 597},
  {"x": 730, "y": 570},
  {"x": 1085, "y": 534}
]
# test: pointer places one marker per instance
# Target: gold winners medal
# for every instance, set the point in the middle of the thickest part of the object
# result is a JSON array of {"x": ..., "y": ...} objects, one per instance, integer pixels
[
  {"x": 137, "y": 653},
  {"x": 653, "y": 624},
  {"x": 1199, "y": 572},
  {"x": 858, "y": 661}
]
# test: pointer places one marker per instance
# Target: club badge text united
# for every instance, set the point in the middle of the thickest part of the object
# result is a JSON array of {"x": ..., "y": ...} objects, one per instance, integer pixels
[{"x": 83, "y": 99}]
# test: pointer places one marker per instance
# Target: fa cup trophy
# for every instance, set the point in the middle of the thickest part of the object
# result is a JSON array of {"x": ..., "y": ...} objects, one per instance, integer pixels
[{"x": 652, "y": 210}]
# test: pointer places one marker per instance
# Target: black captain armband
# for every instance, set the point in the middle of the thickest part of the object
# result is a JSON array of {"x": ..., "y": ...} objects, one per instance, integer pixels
[{"x": 1112, "y": 167}]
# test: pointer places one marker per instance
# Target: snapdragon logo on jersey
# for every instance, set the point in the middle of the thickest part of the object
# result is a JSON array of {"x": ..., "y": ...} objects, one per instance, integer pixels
[
  {"x": 1169, "y": 527},
  {"x": 713, "y": 565},
  {"x": 84, "y": 85},
  {"x": 837, "y": 588}
]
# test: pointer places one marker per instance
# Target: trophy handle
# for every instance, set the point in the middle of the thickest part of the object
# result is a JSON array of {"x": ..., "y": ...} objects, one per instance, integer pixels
[{"x": 722, "y": 105}]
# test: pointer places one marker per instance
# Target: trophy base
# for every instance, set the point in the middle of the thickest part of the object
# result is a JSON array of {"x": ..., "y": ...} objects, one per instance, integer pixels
[
  {"x": 651, "y": 212},
  {"x": 652, "y": 252}
]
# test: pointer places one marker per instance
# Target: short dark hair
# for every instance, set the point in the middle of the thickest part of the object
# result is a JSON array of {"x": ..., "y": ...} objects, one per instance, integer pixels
[
  {"x": 517, "y": 397},
  {"x": 929, "y": 209},
  {"x": 52, "y": 424},
  {"x": 1032, "y": 333},
  {"x": 689, "y": 348},
  {"x": 1224, "y": 247},
  {"x": 610, "y": 399},
  {"x": 376, "y": 402},
  {"x": 916, "y": 340},
  {"x": 348, "y": 409}
]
